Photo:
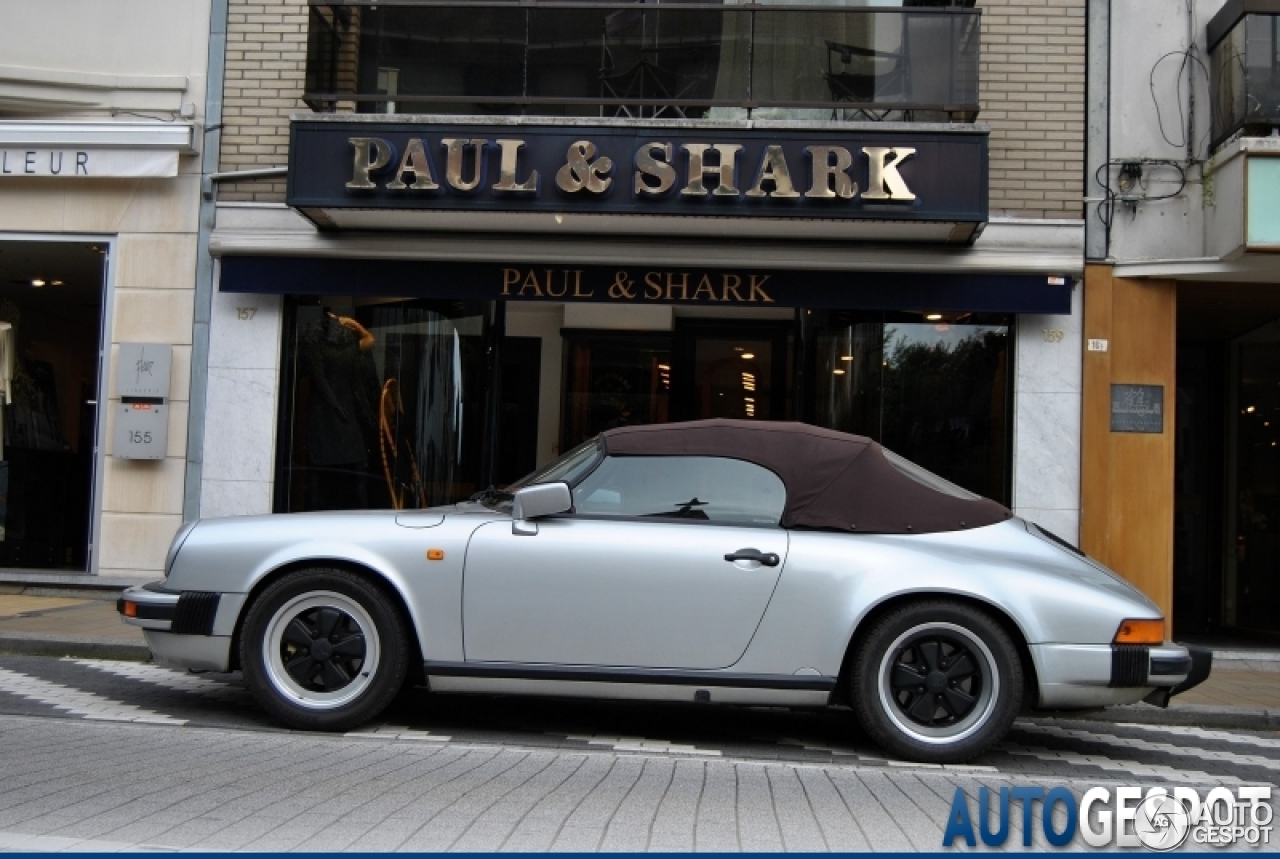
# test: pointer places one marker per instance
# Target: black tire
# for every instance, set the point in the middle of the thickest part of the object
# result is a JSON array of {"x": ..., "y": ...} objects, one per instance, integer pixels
[
  {"x": 913, "y": 689},
  {"x": 354, "y": 664}
]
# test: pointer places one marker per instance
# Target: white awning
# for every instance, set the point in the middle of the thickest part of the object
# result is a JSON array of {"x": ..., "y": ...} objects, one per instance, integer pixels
[{"x": 82, "y": 150}]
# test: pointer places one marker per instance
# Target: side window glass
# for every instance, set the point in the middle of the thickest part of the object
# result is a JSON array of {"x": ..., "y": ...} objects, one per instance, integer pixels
[{"x": 699, "y": 488}]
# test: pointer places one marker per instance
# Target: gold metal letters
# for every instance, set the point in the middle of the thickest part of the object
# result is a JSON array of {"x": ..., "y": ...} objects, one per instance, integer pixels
[
  {"x": 881, "y": 174},
  {"x": 453, "y": 169},
  {"x": 660, "y": 169},
  {"x": 581, "y": 173},
  {"x": 825, "y": 173},
  {"x": 773, "y": 168},
  {"x": 372, "y": 153},
  {"x": 830, "y": 169},
  {"x": 507, "y": 169},
  {"x": 415, "y": 161},
  {"x": 728, "y": 152}
]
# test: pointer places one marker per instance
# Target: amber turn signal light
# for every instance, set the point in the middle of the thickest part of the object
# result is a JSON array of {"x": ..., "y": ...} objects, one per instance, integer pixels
[
  {"x": 1140, "y": 632},
  {"x": 435, "y": 554},
  {"x": 130, "y": 609}
]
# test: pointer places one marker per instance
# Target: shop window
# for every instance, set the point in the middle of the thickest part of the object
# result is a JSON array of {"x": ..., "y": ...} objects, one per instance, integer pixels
[
  {"x": 51, "y": 296},
  {"x": 614, "y": 379},
  {"x": 384, "y": 403},
  {"x": 934, "y": 388}
]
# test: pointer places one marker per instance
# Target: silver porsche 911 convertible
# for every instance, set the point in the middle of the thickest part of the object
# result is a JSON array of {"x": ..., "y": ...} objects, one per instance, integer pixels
[{"x": 717, "y": 561}]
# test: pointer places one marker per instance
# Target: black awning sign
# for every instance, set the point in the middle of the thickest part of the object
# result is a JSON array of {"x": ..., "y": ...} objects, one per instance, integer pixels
[{"x": 669, "y": 170}]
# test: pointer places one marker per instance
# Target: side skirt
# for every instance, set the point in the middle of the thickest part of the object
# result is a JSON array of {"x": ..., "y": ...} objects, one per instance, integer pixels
[{"x": 631, "y": 683}]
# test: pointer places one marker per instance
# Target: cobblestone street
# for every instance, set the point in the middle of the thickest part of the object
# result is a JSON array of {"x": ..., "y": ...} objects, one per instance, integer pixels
[{"x": 104, "y": 755}]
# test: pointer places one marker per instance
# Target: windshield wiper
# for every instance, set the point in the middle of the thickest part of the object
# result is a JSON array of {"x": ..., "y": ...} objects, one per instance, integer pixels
[{"x": 492, "y": 496}]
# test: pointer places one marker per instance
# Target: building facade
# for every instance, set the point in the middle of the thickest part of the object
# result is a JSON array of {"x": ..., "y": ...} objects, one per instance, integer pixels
[
  {"x": 429, "y": 282},
  {"x": 1181, "y": 308},
  {"x": 407, "y": 251},
  {"x": 463, "y": 240},
  {"x": 101, "y": 108}
]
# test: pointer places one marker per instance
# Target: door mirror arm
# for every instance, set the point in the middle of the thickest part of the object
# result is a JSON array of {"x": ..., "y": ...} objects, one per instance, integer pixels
[{"x": 534, "y": 502}]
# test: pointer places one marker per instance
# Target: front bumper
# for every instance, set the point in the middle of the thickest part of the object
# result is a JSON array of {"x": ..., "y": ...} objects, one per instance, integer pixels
[
  {"x": 184, "y": 629},
  {"x": 153, "y": 606},
  {"x": 1102, "y": 675}
]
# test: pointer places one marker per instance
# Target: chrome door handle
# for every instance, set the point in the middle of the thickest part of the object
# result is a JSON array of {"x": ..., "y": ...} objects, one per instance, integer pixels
[{"x": 769, "y": 559}]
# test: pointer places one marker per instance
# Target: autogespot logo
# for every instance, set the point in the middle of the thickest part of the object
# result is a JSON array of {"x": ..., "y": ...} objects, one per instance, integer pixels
[{"x": 1159, "y": 819}]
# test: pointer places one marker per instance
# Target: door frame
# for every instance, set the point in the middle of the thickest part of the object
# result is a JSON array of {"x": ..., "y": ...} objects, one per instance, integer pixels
[{"x": 97, "y": 478}]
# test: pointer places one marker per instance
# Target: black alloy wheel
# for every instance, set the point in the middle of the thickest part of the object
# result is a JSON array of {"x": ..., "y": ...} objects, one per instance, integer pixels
[
  {"x": 324, "y": 649},
  {"x": 936, "y": 681}
]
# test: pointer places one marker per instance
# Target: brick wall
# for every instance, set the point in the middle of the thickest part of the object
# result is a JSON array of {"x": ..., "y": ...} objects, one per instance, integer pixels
[
  {"x": 266, "y": 64},
  {"x": 1032, "y": 96}
]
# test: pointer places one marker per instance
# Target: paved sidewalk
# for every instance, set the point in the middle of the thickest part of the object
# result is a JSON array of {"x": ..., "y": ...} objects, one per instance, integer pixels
[
  {"x": 1242, "y": 692},
  {"x": 83, "y": 625}
]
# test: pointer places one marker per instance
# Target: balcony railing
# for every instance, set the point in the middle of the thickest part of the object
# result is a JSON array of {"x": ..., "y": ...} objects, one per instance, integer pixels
[
  {"x": 642, "y": 59},
  {"x": 1244, "y": 58}
]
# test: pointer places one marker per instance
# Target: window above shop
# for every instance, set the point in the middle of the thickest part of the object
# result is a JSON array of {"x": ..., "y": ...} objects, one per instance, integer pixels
[
  {"x": 1244, "y": 55},
  {"x": 917, "y": 62}
]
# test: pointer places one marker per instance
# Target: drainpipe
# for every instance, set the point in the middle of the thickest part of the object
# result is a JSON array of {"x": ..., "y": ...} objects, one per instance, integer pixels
[{"x": 209, "y": 156}]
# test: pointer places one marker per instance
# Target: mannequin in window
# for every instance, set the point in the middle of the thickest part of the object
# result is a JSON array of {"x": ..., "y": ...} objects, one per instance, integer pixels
[{"x": 341, "y": 413}]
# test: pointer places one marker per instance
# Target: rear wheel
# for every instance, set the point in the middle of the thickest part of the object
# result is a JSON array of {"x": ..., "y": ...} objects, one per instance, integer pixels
[
  {"x": 937, "y": 681},
  {"x": 324, "y": 649}
]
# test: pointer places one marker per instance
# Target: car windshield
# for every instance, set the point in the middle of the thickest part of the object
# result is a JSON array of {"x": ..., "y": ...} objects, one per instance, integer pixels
[{"x": 570, "y": 467}]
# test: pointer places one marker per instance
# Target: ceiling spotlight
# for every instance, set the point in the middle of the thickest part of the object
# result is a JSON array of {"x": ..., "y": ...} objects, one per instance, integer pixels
[
  {"x": 748, "y": 355},
  {"x": 933, "y": 317},
  {"x": 37, "y": 282},
  {"x": 846, "y": 357},
  {"x": 1250, "y": 410},
  {"x": 837, "y": 372},
  {"x": 664, "y": 366},
  {"x": 55, "y": 283}
]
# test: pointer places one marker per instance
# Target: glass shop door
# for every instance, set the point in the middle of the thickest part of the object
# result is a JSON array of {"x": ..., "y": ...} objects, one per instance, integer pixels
[
  {"x": 732, "y": 370},
  {"x": 1252, "y": 563}
]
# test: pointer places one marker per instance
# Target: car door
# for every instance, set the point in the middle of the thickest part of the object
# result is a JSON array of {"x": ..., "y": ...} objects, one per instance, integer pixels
[{"x": 666, "y": 562}]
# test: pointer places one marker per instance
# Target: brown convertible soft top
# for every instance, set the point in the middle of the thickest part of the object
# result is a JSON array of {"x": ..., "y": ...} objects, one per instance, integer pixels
[{"x": 835, "y": 481}]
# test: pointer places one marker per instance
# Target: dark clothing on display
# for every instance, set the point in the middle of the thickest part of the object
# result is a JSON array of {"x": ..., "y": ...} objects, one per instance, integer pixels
[{"x": 341, "y": 422}]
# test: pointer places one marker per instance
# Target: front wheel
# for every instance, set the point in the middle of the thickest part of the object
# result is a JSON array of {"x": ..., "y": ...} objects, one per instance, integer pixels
[
  {"x": 324, "y": 649},
  {"x": 937, "y": 682}
]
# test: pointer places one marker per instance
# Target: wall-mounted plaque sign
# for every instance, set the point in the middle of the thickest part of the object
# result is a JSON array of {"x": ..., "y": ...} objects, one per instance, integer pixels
[{"x": 1137, "y": 408}]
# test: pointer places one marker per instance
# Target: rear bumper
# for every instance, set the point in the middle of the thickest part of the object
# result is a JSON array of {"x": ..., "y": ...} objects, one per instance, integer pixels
[{"x": 1102, "y": 675}]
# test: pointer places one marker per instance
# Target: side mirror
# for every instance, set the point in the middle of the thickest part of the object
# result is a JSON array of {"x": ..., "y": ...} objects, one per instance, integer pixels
[{"x": 533, "y": 502}]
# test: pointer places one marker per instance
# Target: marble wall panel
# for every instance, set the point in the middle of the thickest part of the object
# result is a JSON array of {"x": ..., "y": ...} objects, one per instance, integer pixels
[
  {"x": 1045, "y": 364},
  {"x": 249, "y": 343},
  {"x": 234, "y": 498},
  {"x": 239, "y": 437}
]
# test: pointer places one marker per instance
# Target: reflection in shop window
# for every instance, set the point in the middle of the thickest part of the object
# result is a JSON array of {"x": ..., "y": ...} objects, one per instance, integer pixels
[
  {"x": 935, "y": 391},
  {"x": 386, "y": 404}
]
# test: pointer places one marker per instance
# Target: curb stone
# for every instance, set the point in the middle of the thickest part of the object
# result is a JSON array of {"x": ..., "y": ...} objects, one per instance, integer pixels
[
  {"x": 1191, "y": 715},
  {"x": 71, "y": 645}
]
